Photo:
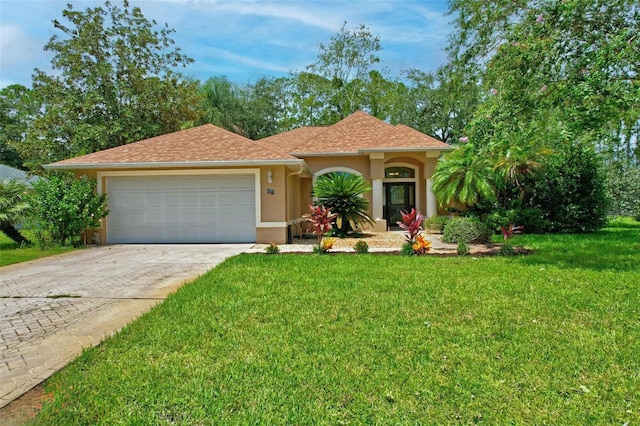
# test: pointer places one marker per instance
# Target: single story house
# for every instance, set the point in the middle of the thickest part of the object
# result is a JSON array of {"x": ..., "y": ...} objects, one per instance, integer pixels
[{"x": 209, "y": 185}]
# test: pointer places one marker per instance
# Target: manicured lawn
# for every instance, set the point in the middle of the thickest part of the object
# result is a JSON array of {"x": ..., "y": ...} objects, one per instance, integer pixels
[
  {"x": 550, "y": 338},
  {"x": 11, "y": 252}
]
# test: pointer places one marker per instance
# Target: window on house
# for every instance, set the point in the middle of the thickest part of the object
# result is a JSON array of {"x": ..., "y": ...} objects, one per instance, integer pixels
[{"x": 399, "y": 173}]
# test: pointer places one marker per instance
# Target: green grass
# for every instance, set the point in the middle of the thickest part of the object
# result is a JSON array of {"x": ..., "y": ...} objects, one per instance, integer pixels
[
  {"x": 11, "y": 252},
  {"x": 550, "y": 338}
]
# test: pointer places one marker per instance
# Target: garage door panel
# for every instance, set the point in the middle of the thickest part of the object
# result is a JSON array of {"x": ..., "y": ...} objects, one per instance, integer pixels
[{"x": 181, "y": 209}]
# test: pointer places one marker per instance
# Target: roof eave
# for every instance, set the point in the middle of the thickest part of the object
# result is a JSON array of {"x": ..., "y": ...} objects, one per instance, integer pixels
[
  {"x": 421, "y": 149},
  {"x": 172, "y": 164}
]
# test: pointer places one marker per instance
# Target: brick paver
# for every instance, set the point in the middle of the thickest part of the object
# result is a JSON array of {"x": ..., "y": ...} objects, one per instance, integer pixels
[{"x": 52, "y": 308}]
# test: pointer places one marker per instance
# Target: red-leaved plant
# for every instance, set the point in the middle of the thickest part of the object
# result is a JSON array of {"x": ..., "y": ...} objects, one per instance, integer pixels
[
  {"x": 321, "y": 219},
  {"x": 507, "y": 232},
  {"x": 412, "y": 223}
]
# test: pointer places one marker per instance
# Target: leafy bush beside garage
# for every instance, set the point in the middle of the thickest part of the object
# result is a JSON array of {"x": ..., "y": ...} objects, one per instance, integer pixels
[{"x": 64, "y": 207}]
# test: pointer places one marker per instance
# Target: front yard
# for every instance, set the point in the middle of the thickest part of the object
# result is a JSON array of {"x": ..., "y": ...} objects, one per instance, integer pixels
[
  {"x": 549, "y": 338},
  {"x": 11, "y": 252}
]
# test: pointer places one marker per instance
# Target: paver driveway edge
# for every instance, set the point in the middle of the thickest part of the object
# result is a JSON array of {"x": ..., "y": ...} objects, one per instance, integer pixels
[{"x": 111, "y": 286}]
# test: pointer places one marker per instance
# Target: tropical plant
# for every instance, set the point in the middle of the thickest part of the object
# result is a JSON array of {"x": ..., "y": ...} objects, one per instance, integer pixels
[
  {"x": 509, "y": 231},
  {"x": 14, "y": 208},
  {"x": 325, "y": 245},
  {"x": 465, "y": 176},
  {"x": 342, "y": 194},
  {"x": 321, "y": 219},
  {"x": 412, "y": 223},
  {"x": 64, "y": 208},
  {"x": 416, "y": 242}
]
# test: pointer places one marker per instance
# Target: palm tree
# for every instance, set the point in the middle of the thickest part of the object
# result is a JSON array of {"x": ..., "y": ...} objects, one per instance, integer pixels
[
  {"x": 465, "y": 176},
  {"x": 14, "y": 207},
  {"x": 342, "y": 194},
  {"x": 517, "y": 160}
]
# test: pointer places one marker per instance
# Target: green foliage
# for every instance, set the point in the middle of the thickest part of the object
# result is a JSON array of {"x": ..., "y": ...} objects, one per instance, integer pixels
[
  {"x": 550, "y": 64},
  {"x": 343, "y": 67},
  {"x": 16, "y": 112},
  {"x": 272, "y": 249},
  {"x": 467, "y": 230},
  {"x": 407, "y": 249},
  {"x": 623, "y": 189},
  {"x": 113, "y": 82},
  {"x": 342, "y": 194},
  {"x": 12, "y": 252},
  {"x": 14, "y": 208},
  {"x": 361, "y": 247},
  {"x": 571, "y": 193},
  {"x": 537, "y": 327},
  {"x": 463, "y": 249},
  {"x": 65, "y": 207},
  {"x": 464, "y": 176},
  {"x": 436, "y": 223},
  {"x": 533, "y": 219}
]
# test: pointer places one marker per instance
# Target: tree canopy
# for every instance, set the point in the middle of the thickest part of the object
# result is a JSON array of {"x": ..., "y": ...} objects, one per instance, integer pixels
[{"x": 113, "y": 82}]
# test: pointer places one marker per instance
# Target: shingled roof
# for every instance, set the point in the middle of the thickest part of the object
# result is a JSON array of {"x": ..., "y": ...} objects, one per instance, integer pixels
[
  {"x": 357, "y": 134},
  {"x": 202, "y": 145},
  {"x": 209, "y": 145}
]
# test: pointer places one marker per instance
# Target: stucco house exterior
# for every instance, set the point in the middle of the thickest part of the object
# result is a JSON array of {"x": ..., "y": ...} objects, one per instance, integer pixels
[{"x": 209, "y": 185}]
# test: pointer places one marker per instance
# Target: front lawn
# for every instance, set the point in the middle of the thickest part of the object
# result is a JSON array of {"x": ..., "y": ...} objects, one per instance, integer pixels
[
  {"x": 11, "y": 252},
  {"x": 550, "y": 338}
]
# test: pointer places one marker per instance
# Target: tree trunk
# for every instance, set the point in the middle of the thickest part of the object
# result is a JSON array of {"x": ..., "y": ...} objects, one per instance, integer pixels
[{"x": 11, "y": 232}]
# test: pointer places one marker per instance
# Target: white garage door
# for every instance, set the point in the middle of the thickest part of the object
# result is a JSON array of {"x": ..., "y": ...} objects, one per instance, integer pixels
[{"x": 181, "y": 209}]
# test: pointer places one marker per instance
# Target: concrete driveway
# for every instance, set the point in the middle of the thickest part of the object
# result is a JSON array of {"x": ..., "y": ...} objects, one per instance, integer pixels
[{"x": 52, "y": 308}]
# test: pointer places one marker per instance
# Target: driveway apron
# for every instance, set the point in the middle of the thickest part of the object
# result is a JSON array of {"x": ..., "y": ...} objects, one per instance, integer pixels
[{"x": 52, "y": 308}]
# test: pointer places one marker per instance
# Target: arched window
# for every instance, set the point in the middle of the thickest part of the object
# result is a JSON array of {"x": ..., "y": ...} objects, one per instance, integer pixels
[{"x": 328, "y": 170}]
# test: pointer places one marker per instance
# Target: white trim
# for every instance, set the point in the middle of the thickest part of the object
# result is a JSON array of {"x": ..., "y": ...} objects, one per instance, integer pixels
[
  {"x": 195, "y": 172},
  {"x": 328, "y": 170},
  {"x": 164, "y": 165},
  {"x": 272, "y": 225}
]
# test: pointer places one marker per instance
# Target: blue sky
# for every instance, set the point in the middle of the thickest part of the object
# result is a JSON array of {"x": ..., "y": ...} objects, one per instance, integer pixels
[{"x": 243, "y": 40}]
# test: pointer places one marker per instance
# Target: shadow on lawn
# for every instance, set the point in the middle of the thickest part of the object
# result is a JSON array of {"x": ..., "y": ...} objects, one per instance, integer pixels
[{"x": 616, "y": 247}]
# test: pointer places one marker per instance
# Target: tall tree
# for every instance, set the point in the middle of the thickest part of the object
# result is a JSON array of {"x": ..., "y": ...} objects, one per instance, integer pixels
[
  {"x": 575, "y": 61},
  {"x": 17, "y": 110},
  {"x": 113, "y": 83},
  {"x": 343, "y": 68}
]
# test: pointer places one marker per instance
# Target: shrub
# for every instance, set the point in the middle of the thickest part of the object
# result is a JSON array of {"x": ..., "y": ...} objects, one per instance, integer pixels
[
  {"x": 436, "y": 223},
  {"x": 623, "y": 189},
  {"x": 272, "y": 249},
  {"x": 467, "y": 230},
  {"x": 463, "y": 249},
  {"x": 571, "y": 193},
  {"x": 361, "y": 247},
  {"x": 531, "y": 218},
  {"x": 64, "y": 207}
]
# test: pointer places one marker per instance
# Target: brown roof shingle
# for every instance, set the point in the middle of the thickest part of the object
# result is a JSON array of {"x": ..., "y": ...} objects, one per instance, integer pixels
[
  {"x": 206, "y": 143},
  {"x": 357, "y": 134}
]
